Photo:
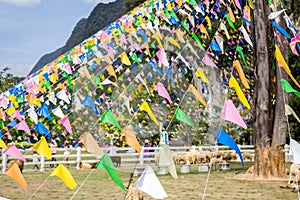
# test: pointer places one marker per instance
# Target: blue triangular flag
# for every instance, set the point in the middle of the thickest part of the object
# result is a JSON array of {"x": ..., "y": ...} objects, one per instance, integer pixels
[
  {"x": 223, "y": 138},
  {"x": 12, "y": 123},
  {"x": 88, "y": 101},
  {"x": 41, "y": 128},
  {"x": 281, "y": 30}
]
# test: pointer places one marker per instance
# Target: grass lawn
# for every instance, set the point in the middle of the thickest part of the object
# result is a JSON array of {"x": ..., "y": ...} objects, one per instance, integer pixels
[{"x": 221, "y": 185}]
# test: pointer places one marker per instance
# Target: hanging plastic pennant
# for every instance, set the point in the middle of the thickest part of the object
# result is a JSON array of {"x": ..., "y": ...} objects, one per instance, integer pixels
[
  {"x": 91, "y": 145},
  {"x": 149, "y": 183},
  {"x": 12, "y": 150},
  {"x": 166, "y": 159},
  {"x": 66, "y": 123},
  {"x": 289, "y": 111},
  {"x": 64, "y": 174},
  {"x": 108, "y": 165},
  {"x": 240, "y": 71},
  {"x": 180, "y": 115},
  {"x": 130, "y": 138},
  {"x": 223, "y": 138},
  {"x": 162, "y": 91},
  {"x": 234, "y": 84},
  {"x": 282, "y": 63},
  {"x": 197, "y": 95},
  {"x": 42, "y": 148},
  {"x": 230, "y": 113},
  {"x": 15, "y": 173},
  {"x": 108, "y": 117},
  {"x": 145, "y": 107},
  {"x": 23, "y": 126}
]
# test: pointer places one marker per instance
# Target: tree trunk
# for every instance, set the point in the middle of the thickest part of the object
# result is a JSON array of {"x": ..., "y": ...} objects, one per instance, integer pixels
[
  {"x": 269, "y": 156},
  {"x": 280, "y": 121}
]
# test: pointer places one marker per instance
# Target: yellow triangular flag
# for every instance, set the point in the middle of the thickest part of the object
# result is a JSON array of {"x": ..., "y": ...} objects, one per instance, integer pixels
[
  {"x": 10, "y": 110},
  {"x": 91, "y": 144},
  {"x": 64, "y": 174},
  {"x": 145, "y": 107},
  {"x": 15, "y": 173},
  {"x": 201, "y": 75},
  {"x": 124, "y": 58},
  {"x": 13, "y": 98},
  {"x": 42, "y": 148},
  {"x": 283, "y": 64},
  {"x": 234, "y": 84},
  {"x": 238, "y": 67},
  {"x": 197, "y": 95},
  {"x": 156, "y": 36},
  {"x": 130, "y": 138},
  {"x": 2, "y": 144},
  {"x": 208, "y": 21}
]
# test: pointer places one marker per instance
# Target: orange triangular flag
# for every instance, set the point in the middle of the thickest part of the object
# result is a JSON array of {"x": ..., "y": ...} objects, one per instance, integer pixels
[
  {"x": 42, "y": 148},
  {"x": 91, "y": 144},
  {"x": 15, "y": 173},
  {"x": 64, "y": 174},
  {"x": 197, "y": 95},
  {"x": 130, "y": 138},
  {"x": 238, "y": 67}
]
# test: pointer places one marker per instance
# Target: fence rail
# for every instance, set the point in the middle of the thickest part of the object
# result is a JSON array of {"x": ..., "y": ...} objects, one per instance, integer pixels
[{"x": 128, "y": 156}]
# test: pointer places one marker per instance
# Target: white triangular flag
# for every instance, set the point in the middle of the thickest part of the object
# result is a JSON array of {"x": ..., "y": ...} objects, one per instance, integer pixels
[
  {"x": 52, "y": 98},
  {"x": 294, "y": 154},
  {"x": 166, "y": 159},
  {"x": 273, "y": 15},
  {"x": 58, "y": 112},
  {"x": 246, "y": 36},
  {"x": 220, "y": 43},
  {"x": 290, "y": 111},
  {"x": 63, "y": 96},
  {"x": 78, "y": 104},
  {"x": 149, "y": 183},
  {"x": 33, "y": 115}
]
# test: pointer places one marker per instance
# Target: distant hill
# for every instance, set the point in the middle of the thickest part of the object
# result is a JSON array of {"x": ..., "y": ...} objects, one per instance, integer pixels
[{"x": 101, "y": 16}]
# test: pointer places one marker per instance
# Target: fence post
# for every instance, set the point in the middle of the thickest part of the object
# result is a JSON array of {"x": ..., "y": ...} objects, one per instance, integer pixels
[
  {"x": 141, "y": 158},
  {"x": 78, "y": 159},
  {"x": 42, "y": 163},
  {"x": 4, "y": 161}
]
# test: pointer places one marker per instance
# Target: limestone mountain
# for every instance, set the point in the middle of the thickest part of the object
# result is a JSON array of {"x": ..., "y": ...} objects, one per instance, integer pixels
[{"x": 101, "y": 16}]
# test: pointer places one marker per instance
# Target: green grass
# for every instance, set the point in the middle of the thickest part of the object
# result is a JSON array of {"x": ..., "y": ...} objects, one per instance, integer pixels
[{"x": 221, "y": 185}]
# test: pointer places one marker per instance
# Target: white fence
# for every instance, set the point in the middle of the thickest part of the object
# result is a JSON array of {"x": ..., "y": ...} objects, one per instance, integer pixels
[{"x": 128, "y": 156}]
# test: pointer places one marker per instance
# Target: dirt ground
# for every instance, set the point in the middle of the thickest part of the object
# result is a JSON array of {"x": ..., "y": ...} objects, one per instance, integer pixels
[{"x": 226, "y": 185}]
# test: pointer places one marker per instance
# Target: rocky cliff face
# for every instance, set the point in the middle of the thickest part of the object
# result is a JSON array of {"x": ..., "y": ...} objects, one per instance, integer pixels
[{"x": 101, "y": 16}]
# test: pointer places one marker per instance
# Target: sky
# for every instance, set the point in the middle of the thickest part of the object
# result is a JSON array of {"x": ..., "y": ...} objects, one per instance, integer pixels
[{"x": 31, "y": 28}]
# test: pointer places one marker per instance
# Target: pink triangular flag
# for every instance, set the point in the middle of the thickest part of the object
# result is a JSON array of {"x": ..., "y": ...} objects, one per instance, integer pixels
[
  {"x": 17, "y": 115},
  {"x": 208, "y": 61},
  {"x": 23, "y": 126},
  {"x": 65, "y": 121},
  {"x": 67, "y": 68},
  {"x": 12, "y": 150},
  {"x": 161, "y": 54},
  {"x": 230, "y": 113},
  {"x": 162, "y": 91}
]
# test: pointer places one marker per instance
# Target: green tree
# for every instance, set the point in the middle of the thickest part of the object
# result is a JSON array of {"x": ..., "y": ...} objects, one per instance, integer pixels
[{"x": 7, "y": 80}]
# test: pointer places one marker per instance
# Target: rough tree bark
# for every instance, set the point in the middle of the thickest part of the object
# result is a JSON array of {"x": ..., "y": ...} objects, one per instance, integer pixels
[{"x": 268, "y": 129}]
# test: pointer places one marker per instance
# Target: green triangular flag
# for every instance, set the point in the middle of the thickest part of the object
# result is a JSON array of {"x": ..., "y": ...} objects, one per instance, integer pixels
[
  {"x": 180, "y": 115},
  {"x": 108, "y": 165},
  {"x": 108, "y": 117},
  {"x": 240, "y": 50},
  {"x": 288, "y": 88}
]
